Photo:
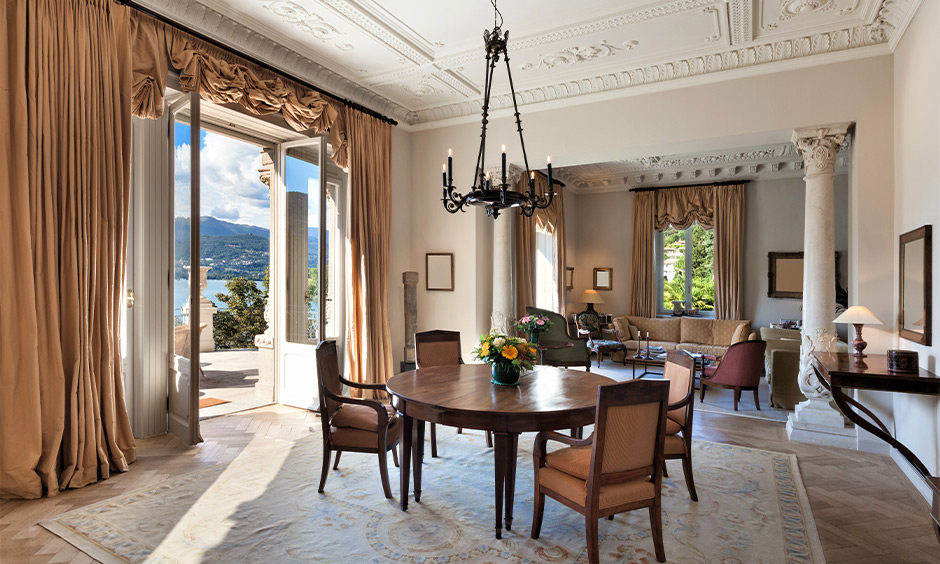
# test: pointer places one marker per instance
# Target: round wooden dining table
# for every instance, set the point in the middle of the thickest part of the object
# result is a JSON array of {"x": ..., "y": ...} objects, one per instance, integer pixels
[{"x": 546, "y": 398}]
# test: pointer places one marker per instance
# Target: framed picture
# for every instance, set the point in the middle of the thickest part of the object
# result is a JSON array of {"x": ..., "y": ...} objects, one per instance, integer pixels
[
  {"x": 439, "y": 271},
  {"x": 785, "y": 274},
  {"x": 569, "y": 278},
  {"x": 602, "y": 278}
]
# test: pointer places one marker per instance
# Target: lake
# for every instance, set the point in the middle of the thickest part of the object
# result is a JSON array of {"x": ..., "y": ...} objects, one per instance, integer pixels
[{"x": 213, "y": 287}]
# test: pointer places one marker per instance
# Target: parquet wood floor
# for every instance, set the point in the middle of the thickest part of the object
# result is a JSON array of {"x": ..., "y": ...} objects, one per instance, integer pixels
[{"x": 865, "y": 511}]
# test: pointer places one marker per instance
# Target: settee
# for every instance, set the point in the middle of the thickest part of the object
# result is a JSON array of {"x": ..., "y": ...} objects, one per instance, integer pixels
[{"x": 698, "y": 335}]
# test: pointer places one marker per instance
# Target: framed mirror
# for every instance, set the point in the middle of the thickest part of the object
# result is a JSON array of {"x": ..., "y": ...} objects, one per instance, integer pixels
[
  {"x": 602, "y": 278},
  {"x": 569, "y": 278},
  {"x": 915, "y": 309}
]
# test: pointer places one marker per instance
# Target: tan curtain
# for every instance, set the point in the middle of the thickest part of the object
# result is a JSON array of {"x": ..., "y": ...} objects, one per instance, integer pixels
[
  {"x": 643, "y": 271},
  {"x": 681, "y": 207},
  {"x": 729, "y": 251},
  {"x": 368, "y": 336},
  {"x": 149, "y": 66},
  {"x": 65, "y": 137}
]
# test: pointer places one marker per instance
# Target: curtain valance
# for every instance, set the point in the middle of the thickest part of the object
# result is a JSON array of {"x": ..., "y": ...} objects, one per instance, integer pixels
[
  {"x": 223, "y": 78},
  {"x": 681, "y": 207}
]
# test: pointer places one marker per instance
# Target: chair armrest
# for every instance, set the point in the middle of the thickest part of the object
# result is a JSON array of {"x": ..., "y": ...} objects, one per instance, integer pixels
[
  {"x": 681, "y": 403},
  {"x": 363, "y": 386},
  {"x": 614, "y": 333},
  {"x": 374, "y": 404}
]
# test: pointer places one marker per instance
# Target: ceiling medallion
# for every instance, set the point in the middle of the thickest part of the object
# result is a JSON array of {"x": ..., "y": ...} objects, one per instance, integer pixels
[{"x": 486, "y": 192}]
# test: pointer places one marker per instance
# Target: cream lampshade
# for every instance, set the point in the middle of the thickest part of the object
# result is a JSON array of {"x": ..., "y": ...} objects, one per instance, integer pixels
[
  {"x": 858, "y": 316},
  {"x": 591, "y": 297}
]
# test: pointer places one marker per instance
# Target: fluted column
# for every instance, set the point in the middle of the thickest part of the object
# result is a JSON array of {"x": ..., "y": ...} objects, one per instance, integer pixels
[{"x": 814, "y": 420}]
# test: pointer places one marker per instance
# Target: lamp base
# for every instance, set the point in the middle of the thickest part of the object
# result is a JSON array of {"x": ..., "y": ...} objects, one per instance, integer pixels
[{"x": 859, "y": 344}]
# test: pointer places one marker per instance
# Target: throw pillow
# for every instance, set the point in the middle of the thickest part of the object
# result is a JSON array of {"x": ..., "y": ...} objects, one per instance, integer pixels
[
  {"x": 634, "y": 333},
  {"x": 741, "y": 333}
]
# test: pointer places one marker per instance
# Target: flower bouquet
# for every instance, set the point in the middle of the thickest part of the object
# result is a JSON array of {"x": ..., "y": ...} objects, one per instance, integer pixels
[
  {"x": 533, "y": 325},
  {"x": 507, "y": 356}
]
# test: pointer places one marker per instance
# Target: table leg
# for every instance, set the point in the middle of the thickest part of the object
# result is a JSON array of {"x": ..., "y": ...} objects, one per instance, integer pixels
[
  {"x": 418, "y": 456},
  {"x": 405, "y": 469},
  {"x": 500, "y": 448},
  {"x": 512, "y": 451}
]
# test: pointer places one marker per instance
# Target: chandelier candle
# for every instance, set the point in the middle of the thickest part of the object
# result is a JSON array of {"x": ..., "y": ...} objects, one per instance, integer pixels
[
  {"x": 504, "y": 165},
  {"x": 450, "y": 167}
]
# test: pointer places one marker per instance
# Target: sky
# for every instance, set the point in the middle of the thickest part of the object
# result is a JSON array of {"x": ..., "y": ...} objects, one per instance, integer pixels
[{"x": 230, "y": 186}]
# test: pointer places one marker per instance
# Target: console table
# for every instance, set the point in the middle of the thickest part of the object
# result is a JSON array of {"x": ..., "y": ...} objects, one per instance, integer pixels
[{"x": 839, "y": 372}]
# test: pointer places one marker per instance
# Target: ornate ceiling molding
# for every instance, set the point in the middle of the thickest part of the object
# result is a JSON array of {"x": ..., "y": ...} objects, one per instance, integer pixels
[
  {"x": 779, "y": 160},
  {"x": 418, "y": 55}
]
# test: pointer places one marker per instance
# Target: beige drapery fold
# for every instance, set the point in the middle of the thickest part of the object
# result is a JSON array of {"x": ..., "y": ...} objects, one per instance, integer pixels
[
  {"x": 65, "y": 135},
  {"x": 681, "y": 207},
  {"x": 643, "y": 270},
  {"x": 368, "y": 335},
  {"x": 553, "y": 216},
  {"x": 729, "y": 251},
  {"x": 222, "y": 77}
]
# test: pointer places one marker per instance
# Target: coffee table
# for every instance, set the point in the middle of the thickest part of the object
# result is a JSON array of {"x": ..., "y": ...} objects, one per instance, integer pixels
[
  {"x": 701, "y": 361},
  {"x": 546, "y": 399}
]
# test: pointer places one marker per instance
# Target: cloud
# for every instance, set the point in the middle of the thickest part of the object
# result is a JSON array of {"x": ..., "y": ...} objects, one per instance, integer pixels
[{"x": 229, "y": 181}]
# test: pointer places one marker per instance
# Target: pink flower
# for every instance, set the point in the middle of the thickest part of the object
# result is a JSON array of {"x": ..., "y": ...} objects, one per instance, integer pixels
[{"x": 540, "y": 322}]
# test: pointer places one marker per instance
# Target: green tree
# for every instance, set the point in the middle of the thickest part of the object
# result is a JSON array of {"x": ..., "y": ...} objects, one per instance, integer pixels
[{"x": 243, "y": 318}]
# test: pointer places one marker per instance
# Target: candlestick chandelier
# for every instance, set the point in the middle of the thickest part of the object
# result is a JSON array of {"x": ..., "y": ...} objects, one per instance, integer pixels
[{"x": 484, "y": 192}]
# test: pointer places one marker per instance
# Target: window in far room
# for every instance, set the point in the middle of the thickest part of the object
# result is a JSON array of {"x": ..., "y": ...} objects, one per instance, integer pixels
[
  {"x": 545, "y": 294},
  {"x": 685, "y": 260}
]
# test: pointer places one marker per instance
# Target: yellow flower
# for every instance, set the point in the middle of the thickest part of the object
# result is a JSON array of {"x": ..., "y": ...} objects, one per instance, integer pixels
[
  {"x": 533, "y": 351},
  {"x": 510, "y": 352},
  {"x": 485, "y": 350}
]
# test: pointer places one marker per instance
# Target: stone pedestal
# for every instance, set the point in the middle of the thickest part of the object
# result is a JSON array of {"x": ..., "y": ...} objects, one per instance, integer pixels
[
  {"x": 814, "y": 420},
  {"x": 410, "y": 280},
  {"x": 206, "y": 312}
]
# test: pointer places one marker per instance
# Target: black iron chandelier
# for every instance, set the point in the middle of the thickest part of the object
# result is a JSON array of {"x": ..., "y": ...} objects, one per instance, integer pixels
[{"x": 485, "y": 191}]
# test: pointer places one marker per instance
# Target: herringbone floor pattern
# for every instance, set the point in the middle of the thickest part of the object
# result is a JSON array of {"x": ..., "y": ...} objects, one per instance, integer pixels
[{"x": 864, "y": 510}]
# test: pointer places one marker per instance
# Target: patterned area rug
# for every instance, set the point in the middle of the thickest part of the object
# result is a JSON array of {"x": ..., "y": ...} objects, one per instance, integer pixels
[{"x": 264, "y": 507}]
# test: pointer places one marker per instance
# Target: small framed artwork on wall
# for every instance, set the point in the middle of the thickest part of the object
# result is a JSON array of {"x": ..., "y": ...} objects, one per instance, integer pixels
[
  {"x": 603, "y": 278},
  {"x": 439, "y": 271},
  {"x": 569, "y": 278}
]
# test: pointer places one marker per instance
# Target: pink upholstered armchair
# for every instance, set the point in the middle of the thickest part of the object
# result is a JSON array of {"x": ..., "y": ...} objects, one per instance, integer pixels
[{"x": 740, "y": 369}]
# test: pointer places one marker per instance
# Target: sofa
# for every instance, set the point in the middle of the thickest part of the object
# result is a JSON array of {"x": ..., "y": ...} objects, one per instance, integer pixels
[{"x": 699, "y": 335}]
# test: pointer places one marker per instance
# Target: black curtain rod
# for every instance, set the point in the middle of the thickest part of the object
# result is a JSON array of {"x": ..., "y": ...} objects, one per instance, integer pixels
[
  {"x": 253, "y": 60},
  {"x": 654, "y": 188}
]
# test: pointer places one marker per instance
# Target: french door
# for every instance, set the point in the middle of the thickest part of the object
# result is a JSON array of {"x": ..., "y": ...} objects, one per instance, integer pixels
[
  {"x": 183, "y": 383},
  {"x": 309, "y": 264}
]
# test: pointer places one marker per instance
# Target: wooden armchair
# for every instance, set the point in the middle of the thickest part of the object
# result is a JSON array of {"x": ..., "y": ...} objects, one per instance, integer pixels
[
  {"x": 440, "y": 348},
  {"x": 353, "y": 424},
  {"x": 740, "y": 369},
  {"x": 578, "y": 355},
  {"x": 680, "y": 371},
  {"x": 618, "y": 468},
  {"x": 600, "y": 341}
]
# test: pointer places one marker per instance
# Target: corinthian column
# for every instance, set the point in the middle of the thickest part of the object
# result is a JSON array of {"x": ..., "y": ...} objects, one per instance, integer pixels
[{"x": 814, "y": 420}]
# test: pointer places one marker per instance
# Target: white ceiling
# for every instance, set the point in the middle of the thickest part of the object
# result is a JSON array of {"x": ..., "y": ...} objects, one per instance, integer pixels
[{"x": 423, "y": 60}]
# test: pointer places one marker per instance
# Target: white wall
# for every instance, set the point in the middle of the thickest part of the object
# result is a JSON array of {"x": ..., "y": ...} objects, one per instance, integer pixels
[
  {"x": 774, "y": 223},
  {"x": 605, "y": 236},
  {"x": 735, "y": 113},
  {"x": 917, "y": 202}
]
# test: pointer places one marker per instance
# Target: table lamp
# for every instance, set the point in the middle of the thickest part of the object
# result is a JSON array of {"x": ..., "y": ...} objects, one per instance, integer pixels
[
  {"x": 858, "y": 316},
  {"x": 591, "y": 297}
]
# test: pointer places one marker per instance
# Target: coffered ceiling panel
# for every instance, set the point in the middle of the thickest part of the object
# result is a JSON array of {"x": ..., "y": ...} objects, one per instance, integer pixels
[{"x": 423, "y": 60}]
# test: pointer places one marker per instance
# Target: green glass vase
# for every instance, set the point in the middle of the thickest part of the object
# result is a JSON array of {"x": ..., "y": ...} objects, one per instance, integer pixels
[
  {"x": 505, "y": 374},
  {"x": 534, "y": 337}
]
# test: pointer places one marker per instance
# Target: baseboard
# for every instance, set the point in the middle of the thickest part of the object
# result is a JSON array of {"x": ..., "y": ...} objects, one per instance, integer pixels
[
  {"x": 913, "y": 476},
  {"x": 874, "y": 446}
]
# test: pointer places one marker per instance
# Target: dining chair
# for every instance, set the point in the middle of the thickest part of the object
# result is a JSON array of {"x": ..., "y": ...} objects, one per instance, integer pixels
[
  {"x": 680, "y": 372},
  {"x": 353, "y": 424},
  {"x": 440, "y": 348},
  {"x": 618, "y": 468},
  {"x": 740, "y": 369}
]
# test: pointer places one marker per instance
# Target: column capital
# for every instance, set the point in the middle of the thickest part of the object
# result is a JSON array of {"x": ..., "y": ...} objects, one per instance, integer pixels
[
  {"x": 513, "y": 173},
  {"x": 818, "y": 144}
]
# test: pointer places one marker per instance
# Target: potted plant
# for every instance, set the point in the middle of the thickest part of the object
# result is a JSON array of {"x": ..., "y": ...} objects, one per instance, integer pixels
[
  {"x": 533, "y": 325},
  {"x": 507, "y": 356}
]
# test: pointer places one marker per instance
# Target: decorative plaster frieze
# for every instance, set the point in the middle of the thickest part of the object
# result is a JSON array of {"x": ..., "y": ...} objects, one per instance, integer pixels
[
  {"x": 309, "y": 22},
  {"x": 371, "y": 25},
  {"x": 576, "y": 54},
  {"x": 716, "y": 19}
]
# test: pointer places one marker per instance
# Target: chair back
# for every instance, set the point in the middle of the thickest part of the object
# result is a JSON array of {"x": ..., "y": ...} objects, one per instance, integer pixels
[
  {"x": 680, "y": 371},
  {"x": 437, "y": 348},
  {"x": 328, "y": 379},
  {"x": 742, "y": 364},
  {"x": 629, "y": 430},
  {"x": 559, "y": 329}
]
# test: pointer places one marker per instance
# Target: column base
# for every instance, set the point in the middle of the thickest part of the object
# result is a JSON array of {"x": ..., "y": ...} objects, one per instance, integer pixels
[
  {"x": 815, "y": 422},
  {"x": 264, "y": 387}
]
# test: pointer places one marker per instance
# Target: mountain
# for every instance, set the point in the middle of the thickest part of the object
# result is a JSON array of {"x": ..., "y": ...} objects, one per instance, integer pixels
[{"x": 216, "y": 228}]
